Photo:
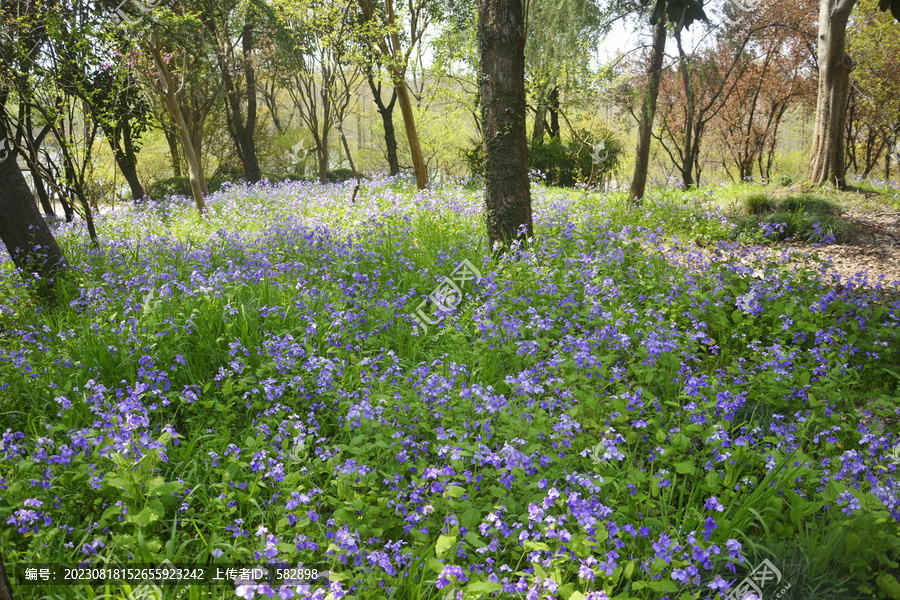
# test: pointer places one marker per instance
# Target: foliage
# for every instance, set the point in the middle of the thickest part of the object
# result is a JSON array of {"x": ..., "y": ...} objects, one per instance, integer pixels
[
  {"x": 340, "y": 175},
  {"x": 170, "y": 186},
  {"x": 566, "y": 164},
  {"x": 873, "y": 42},
  {"x": 801, "y": 217}
]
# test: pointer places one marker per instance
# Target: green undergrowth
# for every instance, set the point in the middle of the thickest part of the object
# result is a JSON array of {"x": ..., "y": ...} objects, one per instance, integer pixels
[{"x": 596, "y": 415}]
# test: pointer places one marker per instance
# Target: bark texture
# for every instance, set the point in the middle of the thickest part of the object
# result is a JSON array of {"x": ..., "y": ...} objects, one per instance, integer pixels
[
  {"x": 507, "y": 189},
  {"x": 387, "y": 118},
  {"x": 22, "y": 228},
  {"x": 241, "y": 126},
  {"x": 648, "y": 111},
  {"x": 170, "y": 93},
  {"x": 826, "y": 163}
]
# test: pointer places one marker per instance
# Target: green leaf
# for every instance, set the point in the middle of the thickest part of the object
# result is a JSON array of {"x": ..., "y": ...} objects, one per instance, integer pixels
[
  {"x": 455, "y": 491},
  {"x": 444, "y": 543},
  {"x": 685, "y": 467},
  {"x": 483, "y": 586},
  {"x": 159, "y": 487},
  {"x": 143, "y": 518},
  {"x": 889, "y": 585},
  {"x": 435, "y": 565}
]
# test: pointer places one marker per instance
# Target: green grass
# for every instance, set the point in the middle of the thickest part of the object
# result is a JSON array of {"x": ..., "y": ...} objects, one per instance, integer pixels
[{"x": 802, "y": 217}]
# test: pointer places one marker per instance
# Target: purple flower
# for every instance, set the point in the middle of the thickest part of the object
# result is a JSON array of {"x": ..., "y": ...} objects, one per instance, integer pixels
[
  {"x": 709, "y": 526},
  {"x": 712, "y": 503},
  {"x": 448, "y": 572}
]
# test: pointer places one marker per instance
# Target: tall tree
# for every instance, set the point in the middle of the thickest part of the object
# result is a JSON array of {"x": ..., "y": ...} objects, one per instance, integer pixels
[
  {"x": 707, "y": 80},
  {"x": 121, "y": 110},
  {"x": 387, "y": 119},
  {"x": 188, "y": 120},
  {"x": 648, "y": 112},
  {"x": 563, "y": 36},
  {"x": 384, "y": 37},
  {"x": 826, "y": 161},
  {"x": 681, "y": 13},
  {"x": 775, "y": 77},
  {"x": 874, "y": 41},
  {"x": 230, "y": 25},
  {"x": 316, "y": 71},
  {"x": 507, "y": 194}
]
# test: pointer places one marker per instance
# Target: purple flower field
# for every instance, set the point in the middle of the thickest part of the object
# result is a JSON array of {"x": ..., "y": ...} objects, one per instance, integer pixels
[{"x": 604, "y": 414}]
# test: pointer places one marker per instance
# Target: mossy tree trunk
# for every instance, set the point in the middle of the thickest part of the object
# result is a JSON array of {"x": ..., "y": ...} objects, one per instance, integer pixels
[
  {"x": 22, "y": 228},
  {"x": 507, "y": 189}
]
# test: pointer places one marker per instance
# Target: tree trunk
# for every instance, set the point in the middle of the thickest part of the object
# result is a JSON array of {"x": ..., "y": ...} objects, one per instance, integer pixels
[
  {"x": 387, "y": 118},
  {"x": 648, "y": 110},
  {"x": 129, "y": 170},
  {"x": 826, "y": 162},
  {"x": 42, "y": 195},
  {"x": 126, "y": 159},
  {"x": 323, "y": 157},
  {"x": 537, "y": 132},
  {"x": 6, "y": 592},
  {"x": 24, "y": 232},
  {"x": 33, "y": 161},
  {"x": 554, "y": 112},
  {"x": 241, "y": 129},
  {"x": 412, "y": 136},
  {"x": 168, "y": 89},
  {"x": 172, "y": 140},
  {"x": 687, "y": 160},
  {"x": 507, "y": 189}
]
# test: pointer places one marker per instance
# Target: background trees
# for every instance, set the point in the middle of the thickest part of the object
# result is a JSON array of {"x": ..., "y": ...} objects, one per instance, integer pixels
[
  {"x": 244, "y": 90},
  {"x": 827, "y": 158},
  {"x": 873, "y": 126}
]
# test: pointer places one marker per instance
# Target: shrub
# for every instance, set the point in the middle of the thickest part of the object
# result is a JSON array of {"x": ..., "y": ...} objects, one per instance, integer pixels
[
  {"x": 811, "y": 204},
  {"x": 759, "y": 204},
  {"x": 171, "y": 186},
  {"x": 784, "y": 180},
  {"x": 803, "y": 217},
  {"x": 340, "y": 175},
  {"x": 565, "y": 164},
  {"x": 561, "y": 163}
]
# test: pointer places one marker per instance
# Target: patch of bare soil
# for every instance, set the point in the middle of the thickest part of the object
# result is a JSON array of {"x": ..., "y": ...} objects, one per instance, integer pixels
[{"x": 873, "y": 257}]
